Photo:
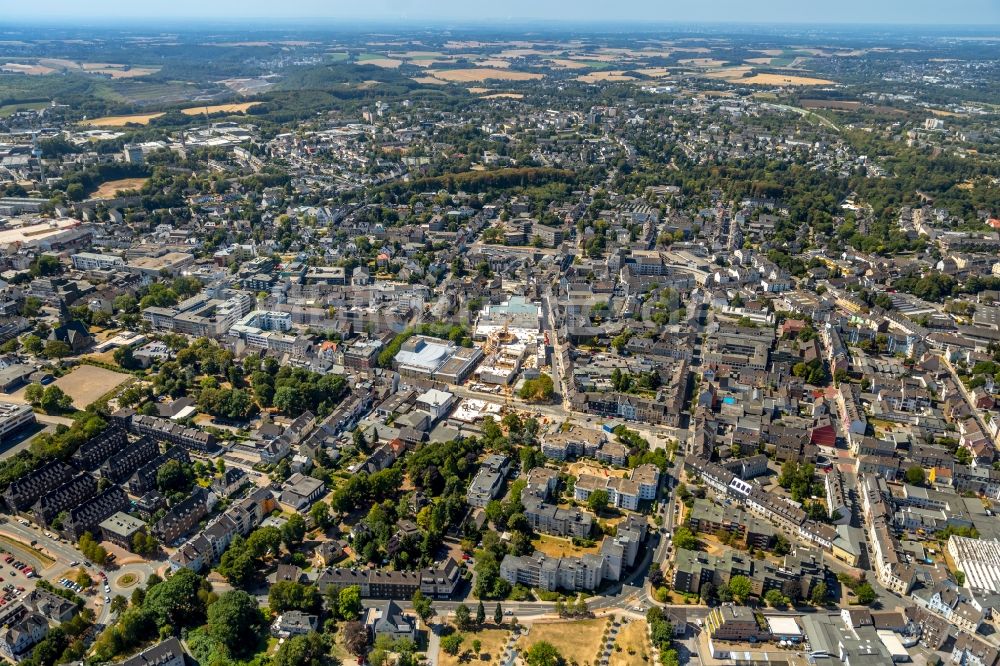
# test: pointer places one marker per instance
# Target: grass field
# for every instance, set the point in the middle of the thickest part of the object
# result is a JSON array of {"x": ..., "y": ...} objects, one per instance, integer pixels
[
  {"x": 109, "y": 189},
  {"x": 577, "y": 640},
  {"x": 634, "y": 644},
  {"x": 86, "y": 383},
  {"x": 10, "y": 109},
  {"x": 493, "y": 641},
  {"x": 504, "y": 96},
  {"x": 782, "y": 80},
  {"x": 219, "y": 108},
  {"x": 482, "y": 74},
  {"x": 122, "y": 121}
]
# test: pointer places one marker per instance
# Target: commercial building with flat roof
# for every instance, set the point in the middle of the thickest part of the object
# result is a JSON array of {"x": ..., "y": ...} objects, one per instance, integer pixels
[
  {"x": 979, "y": 560},
  {"x": 13, "y": 417},
  {"x": 120, "y": 528},
  {"x": 423, "y": 357}
]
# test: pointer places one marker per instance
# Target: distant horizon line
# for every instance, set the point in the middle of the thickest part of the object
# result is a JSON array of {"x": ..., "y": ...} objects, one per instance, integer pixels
[{"x": 486, "y": 22}]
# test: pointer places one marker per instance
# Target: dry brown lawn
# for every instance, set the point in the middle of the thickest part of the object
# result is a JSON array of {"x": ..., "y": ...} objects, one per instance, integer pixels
[
  {"x": 482, "y": 74},
  {"x": 219, "y": 108},
  {"x": 122, "y": 121},
  {"x": 577, "y": 640},
  {"x": 583, "y": 467},
  {"x": 109, "y": 189},
  {"x": 634, "y": 643},
  {"x": 504, "y": 96},
  {"x": 493, "y": 641},
  {"x": 782, "y": 80},
  {"x": 559, "y": 547},
  {"x": 86, "y": 383}
]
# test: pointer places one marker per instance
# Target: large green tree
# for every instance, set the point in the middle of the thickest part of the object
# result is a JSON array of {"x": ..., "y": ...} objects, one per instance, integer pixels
[
  {"x": 543, "y": 653},
  {"x": 236, "y": 622}
]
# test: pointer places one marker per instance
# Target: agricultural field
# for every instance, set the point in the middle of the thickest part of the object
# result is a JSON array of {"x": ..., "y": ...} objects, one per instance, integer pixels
[
  {"x": 782, "y": 80},
  {"x": 566, "y": 63},
  {"x": 44, "y": 66},
  {"x": 379, "y": 60},
  {"x": 605, "y": 77},
  {"x": 26, "y": 68},
  {"x": 122, "y": 121},
  {"x": 577, "y": 641},
  {"x": 219, "y": 108},
  {"x": 482, "y": 74}
]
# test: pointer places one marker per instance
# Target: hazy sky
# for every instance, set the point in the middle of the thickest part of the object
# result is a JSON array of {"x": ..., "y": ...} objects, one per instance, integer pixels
[{"x": 940, "y": 12}]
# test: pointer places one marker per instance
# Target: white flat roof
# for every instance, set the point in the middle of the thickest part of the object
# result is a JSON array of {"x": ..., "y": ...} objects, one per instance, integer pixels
[{"x": 783, "y": 626}]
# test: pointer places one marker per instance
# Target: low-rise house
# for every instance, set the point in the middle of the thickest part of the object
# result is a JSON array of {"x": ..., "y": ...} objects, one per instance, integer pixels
[
  {"x": 293, "y": 623},
  {"x": 22, "y": 630},
  {"x": 389, "y": 620},
  {"x": 166, "y": 653},
  {"x": 300, "y": 491}
]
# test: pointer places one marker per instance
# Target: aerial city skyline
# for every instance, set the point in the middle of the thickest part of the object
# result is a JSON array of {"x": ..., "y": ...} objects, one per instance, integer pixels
[{"x": 521, "y": 334}]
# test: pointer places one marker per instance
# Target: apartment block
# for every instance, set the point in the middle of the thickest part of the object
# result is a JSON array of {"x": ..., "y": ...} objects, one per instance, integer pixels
[
  {"x": 144, "y": 478},
  {"x": 165, "y": 430},
  {"x": 121, "y": 465},
  {"x": 488, "y": 480},
  {"x": 438, "y": 582},
  {"x": 22, "y": 493},
  {"x": 64, "y": 497},
  {"x": 88, "y": 516},
  {"x": 182, "y": 517},
  {"x": 623, "y": 493}
]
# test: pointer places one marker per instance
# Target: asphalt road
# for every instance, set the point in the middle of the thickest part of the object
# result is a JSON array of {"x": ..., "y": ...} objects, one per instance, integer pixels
[{"x": 64, "y": 553}]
